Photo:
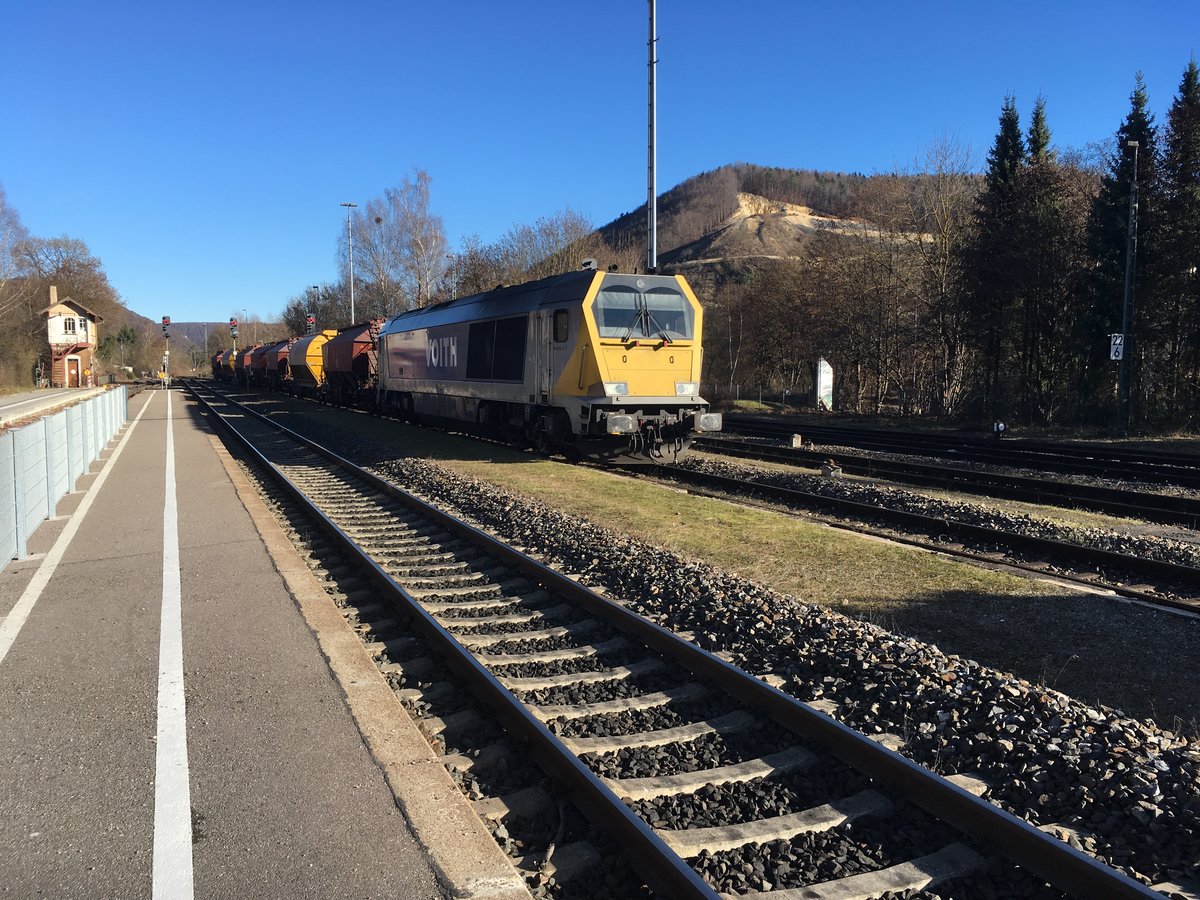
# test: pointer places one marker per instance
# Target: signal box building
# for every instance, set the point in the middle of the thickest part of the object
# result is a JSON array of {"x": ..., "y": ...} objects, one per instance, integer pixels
[{"x": 71, "y": 331}]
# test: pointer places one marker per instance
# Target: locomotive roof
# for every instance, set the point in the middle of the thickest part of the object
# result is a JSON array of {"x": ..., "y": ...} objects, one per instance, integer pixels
[{"x": 508, "y": 301}]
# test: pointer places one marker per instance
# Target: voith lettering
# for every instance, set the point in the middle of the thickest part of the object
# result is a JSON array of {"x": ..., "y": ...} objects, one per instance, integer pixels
[{"x": 443, "y": 352}]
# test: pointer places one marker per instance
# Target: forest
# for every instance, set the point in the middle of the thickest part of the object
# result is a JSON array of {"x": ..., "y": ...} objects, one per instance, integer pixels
[{"x": 944, "y": 292}]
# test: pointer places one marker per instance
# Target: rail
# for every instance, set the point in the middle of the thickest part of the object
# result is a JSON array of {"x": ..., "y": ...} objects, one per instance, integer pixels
[{"x": 1049, "y": 858}]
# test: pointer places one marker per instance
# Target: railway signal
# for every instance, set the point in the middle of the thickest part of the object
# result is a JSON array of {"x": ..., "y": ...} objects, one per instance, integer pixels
[
  {"x": 310, "y": 323},
  {"x": 166, "y": 321},
  {"x": 233, "y": 326}
]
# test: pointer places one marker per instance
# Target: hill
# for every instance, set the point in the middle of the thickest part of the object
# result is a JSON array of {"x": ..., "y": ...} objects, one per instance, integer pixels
[
  {"x": 759, "y": 229},
  {"x": 702, "y": 218}
]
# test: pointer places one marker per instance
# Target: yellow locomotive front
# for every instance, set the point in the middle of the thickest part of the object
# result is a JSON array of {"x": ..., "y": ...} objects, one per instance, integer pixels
[{"x": 637, "y": 372}]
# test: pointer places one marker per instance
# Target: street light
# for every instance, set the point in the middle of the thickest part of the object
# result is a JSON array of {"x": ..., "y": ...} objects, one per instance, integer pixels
[
  {"x": 1127, "y": 305},
  {"x": 350, "y": 254},
  {"x": 453, "y": 276}
]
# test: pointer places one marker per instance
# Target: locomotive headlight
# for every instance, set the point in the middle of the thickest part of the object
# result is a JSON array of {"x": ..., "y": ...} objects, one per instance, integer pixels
[
  {"x": 686, "y": 389},
  {"x": 616, "y": 388}
]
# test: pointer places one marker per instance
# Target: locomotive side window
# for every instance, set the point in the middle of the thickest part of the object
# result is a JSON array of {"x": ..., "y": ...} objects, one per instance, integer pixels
[
  {"x": 481, "y": 340},
  {"x": 496, "y": 349},
  {"x": 509, "y": 363},
  {"x": 562, "y": 321}
]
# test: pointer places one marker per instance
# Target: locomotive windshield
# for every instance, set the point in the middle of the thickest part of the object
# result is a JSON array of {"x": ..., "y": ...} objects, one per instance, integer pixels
[{"x": 624, "y": 312}]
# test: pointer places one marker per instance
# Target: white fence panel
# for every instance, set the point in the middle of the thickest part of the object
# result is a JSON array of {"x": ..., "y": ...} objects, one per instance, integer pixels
[
  {"x": 32, "y": 497},
  {"x": 8, "y": 498},
  {"x": 42, "y": 463},
  {"x": 58, "y": 470},
  {"x": 76, "y": 460}
]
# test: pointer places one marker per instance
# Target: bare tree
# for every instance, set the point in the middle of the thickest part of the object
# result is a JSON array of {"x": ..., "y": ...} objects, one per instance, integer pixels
[
  {"x": 399, "y": 248},
  {"x": 12, "y": 236}
]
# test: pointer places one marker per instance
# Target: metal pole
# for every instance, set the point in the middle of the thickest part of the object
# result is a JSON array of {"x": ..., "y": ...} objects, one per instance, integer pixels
[
  {"x": 350, "y": 250},
  {"x": 1123, "y": 412},
  {"x": 652, "y": 189}
]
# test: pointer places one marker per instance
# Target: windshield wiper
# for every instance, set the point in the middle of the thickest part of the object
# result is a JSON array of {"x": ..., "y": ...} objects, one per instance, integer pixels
[{"x": 643, "y": 314}]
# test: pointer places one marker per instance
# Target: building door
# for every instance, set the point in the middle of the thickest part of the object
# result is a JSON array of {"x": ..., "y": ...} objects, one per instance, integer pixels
[{"x": 72, "y": 371}]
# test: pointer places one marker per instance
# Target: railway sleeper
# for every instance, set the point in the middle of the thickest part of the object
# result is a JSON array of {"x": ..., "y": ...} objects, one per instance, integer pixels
[
  {"x": 793, "y": 759},
  {"x": 484, "y": 589},
  {"x": 691, "y": 842},
  {"x": 470, "y": 578},
  {"x": 486, "y": 757},
  {"x": 575, "y": 629},
  {"x": 491, "y": 603},
  {"x": 401, "y": 546},
  {"x": 529, "y": 803},
  {"x": 683, "y": 694},
  {"x": 1188, "y": 888},
  {"x": 408, "y": 566},
  {"x": 584, "y": 652},
  {"x": 952, "y": 861},
  {"x": 394, "y": 647},
  {"x": 451, "y": 726},
  {"x": 564, "y": 863},
  {"x": 730, "y": 723},
  {"x": 619, "y": 673},
  {"x": 436, "y": 692},
  {"x": 368, "y": 610}
]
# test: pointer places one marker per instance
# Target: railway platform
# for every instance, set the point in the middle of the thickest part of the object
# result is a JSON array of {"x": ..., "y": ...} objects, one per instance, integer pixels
[{"x": 172, "y": 722}]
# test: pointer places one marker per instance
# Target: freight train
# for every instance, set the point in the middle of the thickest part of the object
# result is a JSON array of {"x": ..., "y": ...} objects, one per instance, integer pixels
[{"x": 590, "y": 364}]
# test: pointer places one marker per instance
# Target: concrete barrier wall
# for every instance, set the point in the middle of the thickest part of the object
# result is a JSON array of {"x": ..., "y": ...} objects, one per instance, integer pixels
[{"x": 41, "y": 463}]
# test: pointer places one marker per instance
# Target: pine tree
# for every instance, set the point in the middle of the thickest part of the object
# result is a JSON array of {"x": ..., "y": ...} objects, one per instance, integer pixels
[
  {"x": 1107, "y": 234},
  {"x": 1038, "y": 140},
  {"x": 1008, "y": 151},
  {"x": 991, "y": 254},
  {"x": 1174, "y": 319}
]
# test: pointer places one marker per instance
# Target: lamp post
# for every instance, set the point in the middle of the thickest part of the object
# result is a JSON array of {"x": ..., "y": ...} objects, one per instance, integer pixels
[
  {"x": 652, "y": 128},
  {"x": 350, "y": 254},
  {"x": 453, "y": 276},
  {"x": 1127, "y": 305}
]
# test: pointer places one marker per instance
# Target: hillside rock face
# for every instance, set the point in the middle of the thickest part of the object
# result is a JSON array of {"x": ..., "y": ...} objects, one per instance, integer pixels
[{"x": 759, "y": 229}]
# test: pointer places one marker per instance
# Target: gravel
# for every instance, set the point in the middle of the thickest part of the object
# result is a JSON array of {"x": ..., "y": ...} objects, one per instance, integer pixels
[{"x": 1133, "y": 789}]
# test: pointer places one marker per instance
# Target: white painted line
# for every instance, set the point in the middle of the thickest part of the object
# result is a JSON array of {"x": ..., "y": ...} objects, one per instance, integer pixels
[
  {"x": 172, "y": 868},
  {"x": 11, "y": 626}
]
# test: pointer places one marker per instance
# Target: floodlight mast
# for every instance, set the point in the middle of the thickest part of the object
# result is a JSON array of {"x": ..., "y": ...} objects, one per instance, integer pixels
[{"x": 652, "y": 190}]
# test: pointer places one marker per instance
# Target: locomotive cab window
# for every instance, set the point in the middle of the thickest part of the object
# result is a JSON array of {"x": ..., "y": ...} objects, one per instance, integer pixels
[
  {"x": 562, "y": 322},
  {"x": 625, "y": 313}
]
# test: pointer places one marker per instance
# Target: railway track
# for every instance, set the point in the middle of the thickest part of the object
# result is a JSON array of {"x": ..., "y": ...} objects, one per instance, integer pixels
[
  {"x": 714, "y": 782},
  {"x": 1096, "y": 460},
  {"x": 1173, "y": 585},
  {"x": 1167, "y": 509}
]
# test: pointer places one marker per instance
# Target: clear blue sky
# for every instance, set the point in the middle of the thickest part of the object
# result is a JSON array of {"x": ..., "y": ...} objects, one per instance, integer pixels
[{"x": 201, "y": 149}]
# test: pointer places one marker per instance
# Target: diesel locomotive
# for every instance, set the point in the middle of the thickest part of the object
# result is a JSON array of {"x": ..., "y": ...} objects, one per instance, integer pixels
[{"x": 589, "y": 363}]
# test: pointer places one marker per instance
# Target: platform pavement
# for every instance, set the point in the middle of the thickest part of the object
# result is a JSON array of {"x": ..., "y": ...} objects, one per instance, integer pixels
[
  {"x": 285, "y": 798},
  {"x": 17, "y": 407}
]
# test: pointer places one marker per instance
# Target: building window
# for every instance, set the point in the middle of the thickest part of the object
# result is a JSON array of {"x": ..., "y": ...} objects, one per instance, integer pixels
[
  {"x": 68, "y": 325},
  {"x": 82, "y": 325}
]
